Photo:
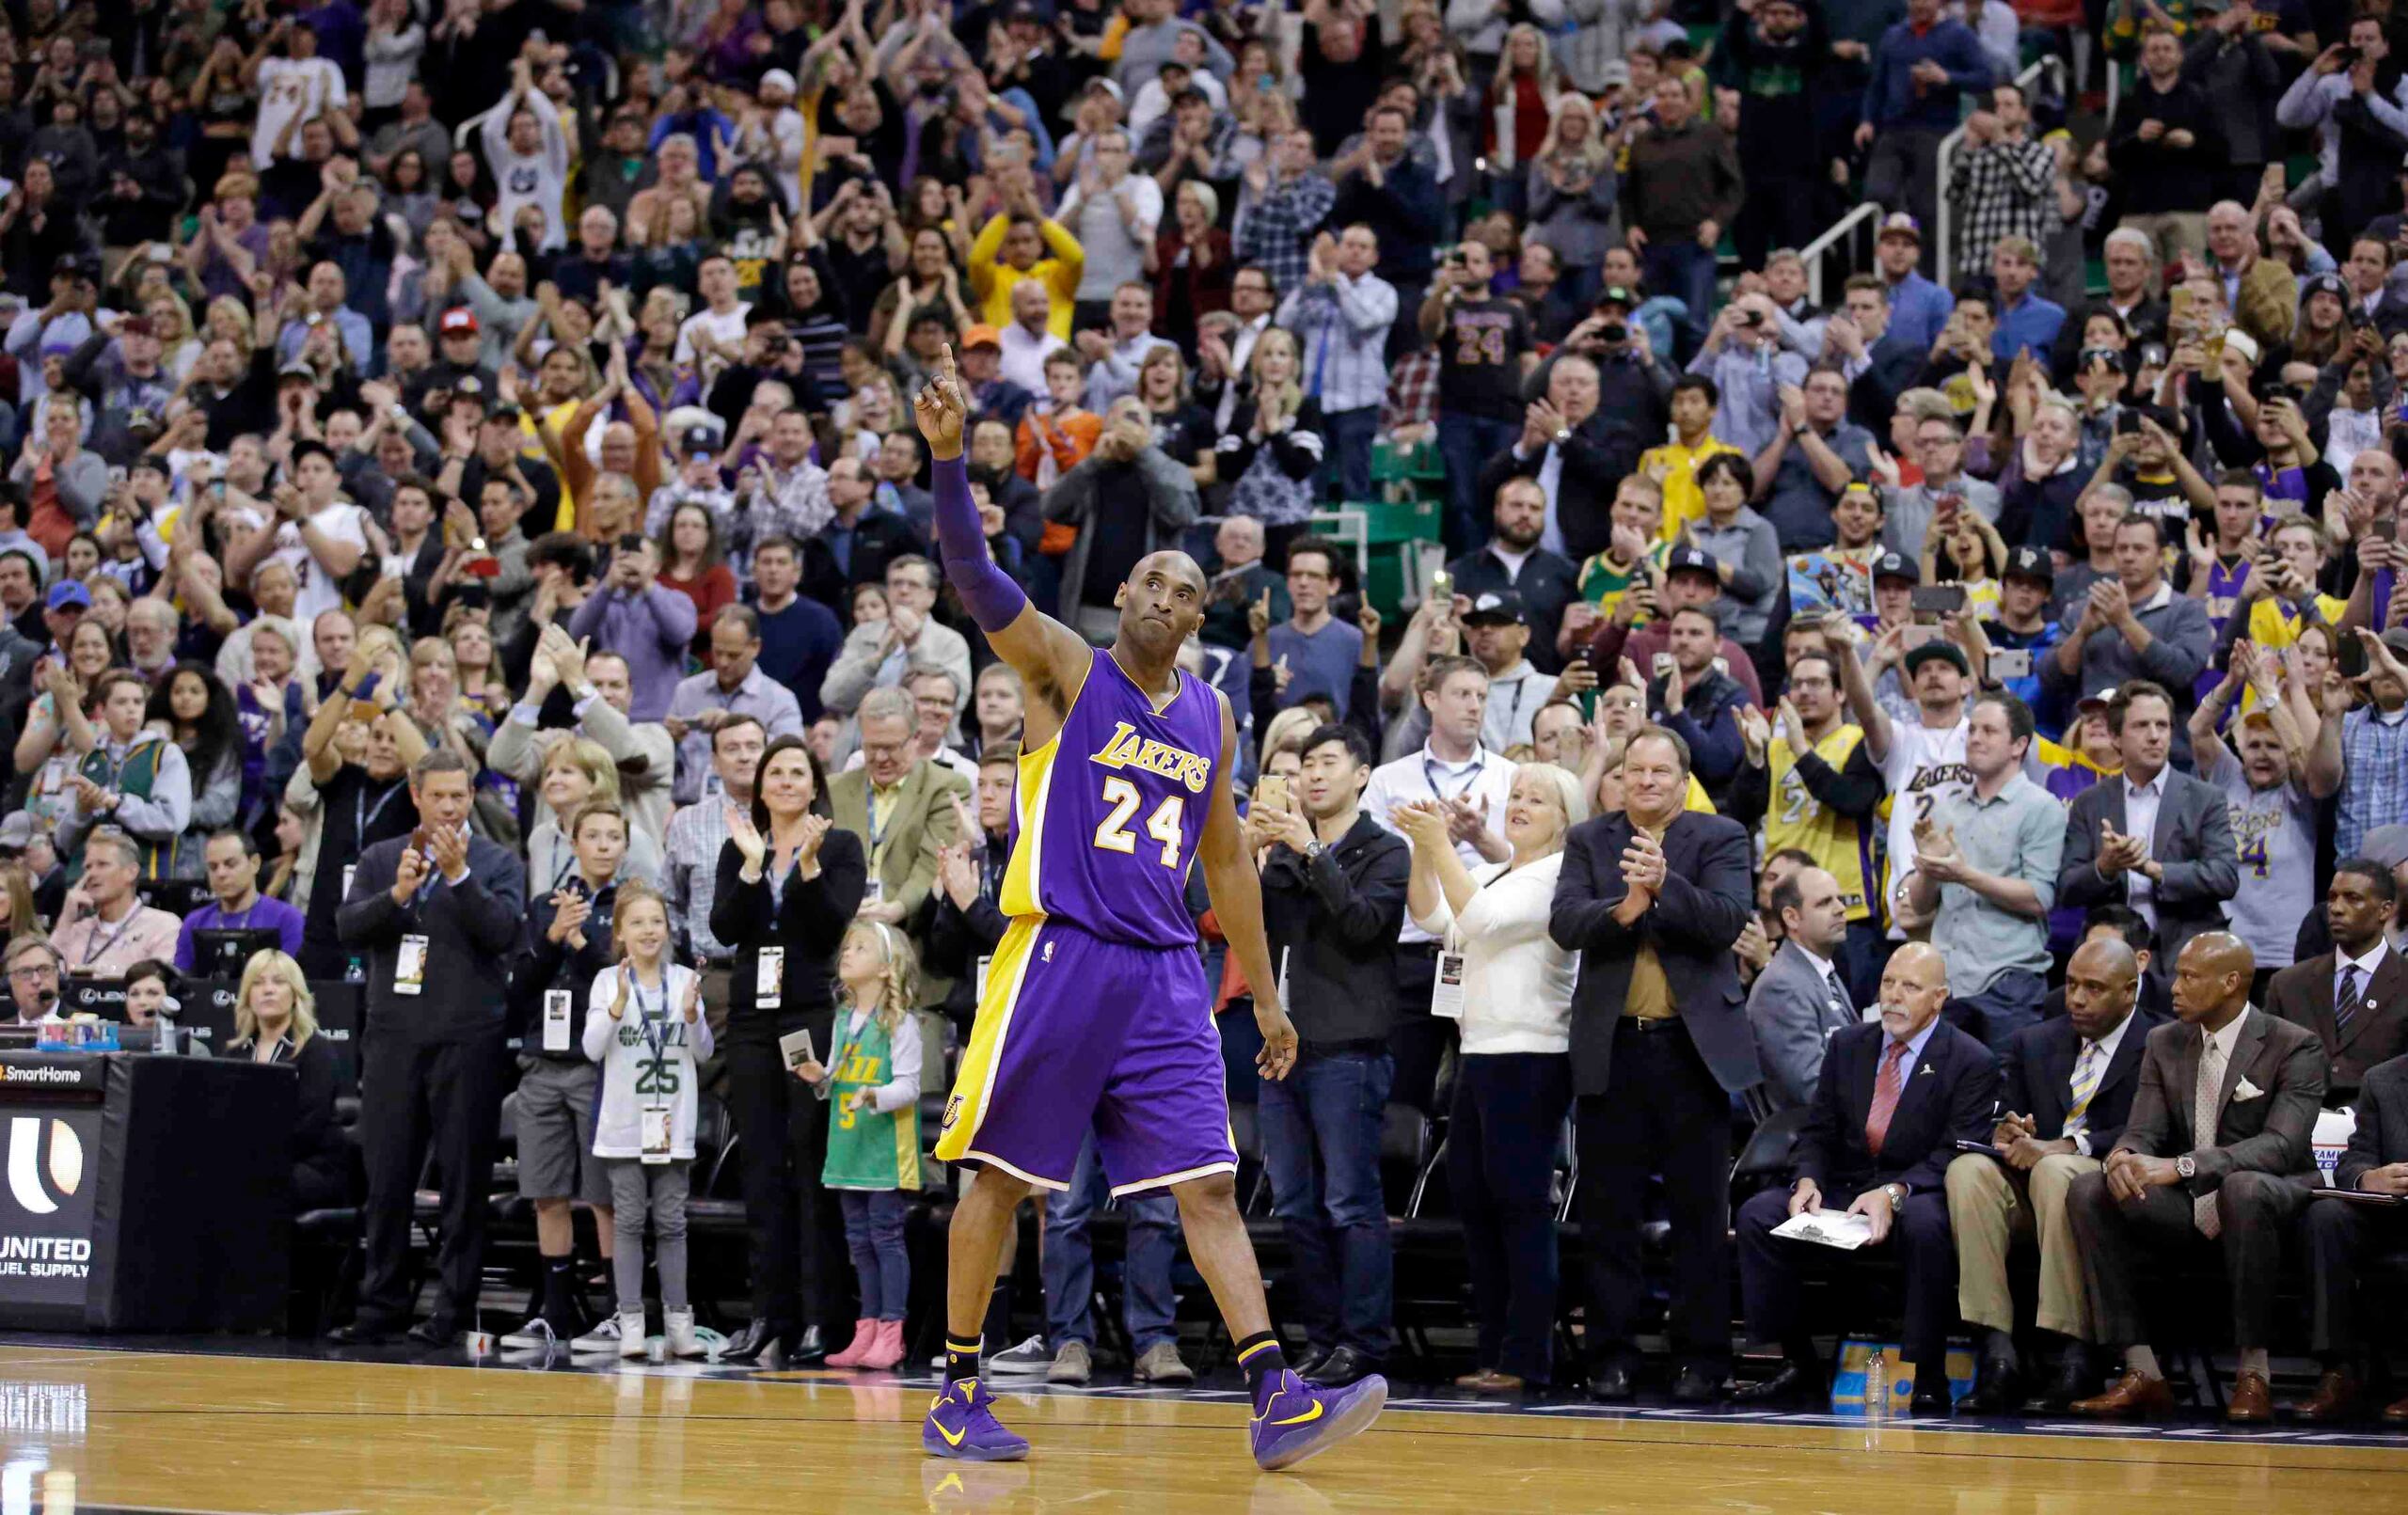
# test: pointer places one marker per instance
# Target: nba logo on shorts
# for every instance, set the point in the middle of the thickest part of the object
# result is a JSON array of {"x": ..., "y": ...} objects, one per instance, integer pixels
[
  {"x": 1048, "y": 955},
  {"x": 66, "y": 1164}
]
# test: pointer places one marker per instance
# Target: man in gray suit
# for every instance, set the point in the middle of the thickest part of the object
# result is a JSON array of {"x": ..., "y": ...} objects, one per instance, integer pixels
[
  {"x": 1801, "y": 998},
  {"x": 2156, "y": 838},
  {"x": 2219, "y": 1133}
]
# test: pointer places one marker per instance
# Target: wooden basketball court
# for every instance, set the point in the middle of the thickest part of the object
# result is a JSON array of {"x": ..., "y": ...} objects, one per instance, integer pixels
[{"x": 92, "y": 1428}]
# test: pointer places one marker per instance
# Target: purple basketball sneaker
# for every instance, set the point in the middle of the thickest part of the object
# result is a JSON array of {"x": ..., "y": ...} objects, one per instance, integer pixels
[
  {"x": 961, "y": 1424},
  {"x": 1295, "y": 1421}
]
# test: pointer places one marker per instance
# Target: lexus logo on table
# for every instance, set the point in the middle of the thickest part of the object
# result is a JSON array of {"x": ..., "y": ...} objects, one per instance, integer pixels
[{"x": 63, "y": 1167}]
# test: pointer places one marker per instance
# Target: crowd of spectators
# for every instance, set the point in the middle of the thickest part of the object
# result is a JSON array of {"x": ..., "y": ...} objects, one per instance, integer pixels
[{"x": 461, "y": 464}]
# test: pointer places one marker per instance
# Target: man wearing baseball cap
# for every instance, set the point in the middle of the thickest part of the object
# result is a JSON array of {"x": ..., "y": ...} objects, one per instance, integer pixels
[
  {"x": 458, "y": 343},
  {"x": 2022, "y": 624},
  {"x": 991, "y": 396},
  {"x": 1496, "y": 630},
  {"x": 1918, "y": 307},
  {"x": 1895, "y": 579},
  {"x": 1691, "y": 578},
  {"x": 1922, "y": 752}
]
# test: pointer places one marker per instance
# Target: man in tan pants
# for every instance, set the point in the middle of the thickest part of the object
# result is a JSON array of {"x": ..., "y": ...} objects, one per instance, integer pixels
[{"x": 2069, "y": 1085}]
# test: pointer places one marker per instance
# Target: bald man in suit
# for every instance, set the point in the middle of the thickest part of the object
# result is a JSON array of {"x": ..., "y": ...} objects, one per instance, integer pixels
[
  {"x": 1892, "y": 1102},
  {"x": 2215, "y": 1153},
  {"x": 2070, "y": 1083}
]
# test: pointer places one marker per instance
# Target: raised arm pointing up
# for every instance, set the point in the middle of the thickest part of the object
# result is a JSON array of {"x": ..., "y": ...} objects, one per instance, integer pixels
[{"x": 1050, "y": 658}]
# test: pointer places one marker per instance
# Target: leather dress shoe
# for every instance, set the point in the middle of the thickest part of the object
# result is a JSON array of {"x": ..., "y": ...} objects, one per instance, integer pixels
[
  {"x": 2395, "y": 1414},
  {"x": 2134, "y": 1394},
  {"x": 1343, "y": 1367},
  {"x": 2252, "y": 1402},
  {"x": 361, "y": 1333},
  {"x": 2335, "y": 1399},
  {"x": 1997, "y": 1389},
  {"x": 1489, "y": 1381},
  {"x": 1932, "y": 1404},
  {"x": 1609, "y": 1384},
  {"x": 1694, "y": 1385},
  {"x": 1795, "y": 1383},
  {"x": 807, "y": 1348},
  {"x": 1309, "y": 1362},
  {"x": 436, "y": 1330},
  {"x": 755, "y": 1341},
  {"x": 2076, "y": 1379}
]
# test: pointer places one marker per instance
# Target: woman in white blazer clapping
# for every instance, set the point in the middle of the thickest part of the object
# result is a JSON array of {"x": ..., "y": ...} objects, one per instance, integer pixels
[{"x": 1514, "y": 1081}]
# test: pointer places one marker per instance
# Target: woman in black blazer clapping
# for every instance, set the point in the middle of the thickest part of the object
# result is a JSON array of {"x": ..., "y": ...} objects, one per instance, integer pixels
[{"x": 789, "y": 883}]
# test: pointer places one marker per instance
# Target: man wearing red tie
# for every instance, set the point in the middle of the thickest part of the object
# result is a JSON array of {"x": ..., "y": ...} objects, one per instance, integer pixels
[{"x": 1892, "y": 1104}]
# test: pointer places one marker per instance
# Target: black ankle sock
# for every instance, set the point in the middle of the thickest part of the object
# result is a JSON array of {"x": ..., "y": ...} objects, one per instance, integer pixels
[
  {"x": 560, "y": 1276},
  {"x": 1262, "y": 1361},
  {"x": 960, "y": 1359}
]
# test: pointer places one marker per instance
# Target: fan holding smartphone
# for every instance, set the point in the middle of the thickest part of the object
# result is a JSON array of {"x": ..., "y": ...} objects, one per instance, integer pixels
[{"x": 634, "y": 614}]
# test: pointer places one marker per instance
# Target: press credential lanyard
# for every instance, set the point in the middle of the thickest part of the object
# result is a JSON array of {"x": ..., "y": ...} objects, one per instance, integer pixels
[{"x": 655, "y": 1113}]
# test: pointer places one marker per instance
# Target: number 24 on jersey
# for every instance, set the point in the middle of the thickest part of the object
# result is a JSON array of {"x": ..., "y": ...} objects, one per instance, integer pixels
[{"x": 1163, "y": 825}]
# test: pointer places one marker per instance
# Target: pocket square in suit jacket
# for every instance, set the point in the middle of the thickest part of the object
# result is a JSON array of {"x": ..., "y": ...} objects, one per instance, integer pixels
[{"x": 2246, "y": 1090}]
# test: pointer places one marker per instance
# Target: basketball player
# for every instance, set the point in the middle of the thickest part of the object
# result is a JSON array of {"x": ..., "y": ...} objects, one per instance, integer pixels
[{"x": 1097, "y": 1013}]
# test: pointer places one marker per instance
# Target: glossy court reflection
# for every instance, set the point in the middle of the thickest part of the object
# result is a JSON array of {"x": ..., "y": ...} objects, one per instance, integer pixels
[{"x": 93, "y": 1430}]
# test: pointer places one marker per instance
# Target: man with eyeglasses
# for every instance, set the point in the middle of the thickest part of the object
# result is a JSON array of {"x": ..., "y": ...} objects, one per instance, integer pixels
[
  {"x": 1945, "y": 490},
  {"x": 883, "y": 654},
  {"x": 932, "y": 701},
  {"x": 900, "y": 805},
  {"x": 33, "y": 981}
]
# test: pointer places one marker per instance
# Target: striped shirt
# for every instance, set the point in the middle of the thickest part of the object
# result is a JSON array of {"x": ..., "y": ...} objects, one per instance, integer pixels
[
  {"x": 697, "y": 833},
  {"x": 1343, "y": 329}
]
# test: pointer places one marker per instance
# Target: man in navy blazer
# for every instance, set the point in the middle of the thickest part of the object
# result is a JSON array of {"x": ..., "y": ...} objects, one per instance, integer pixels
[
  {"x": 1653, "y": 898},
  {"x": 1892, "y": 1104},
  {"x": 2068, "y": 1088},
  {"x": 434, "y": 914}
]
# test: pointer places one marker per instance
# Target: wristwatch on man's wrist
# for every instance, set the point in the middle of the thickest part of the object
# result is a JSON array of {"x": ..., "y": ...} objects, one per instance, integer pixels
[
  {"x": 1897, "y": 1193},
  {"x": 2185, "y": 1167}
]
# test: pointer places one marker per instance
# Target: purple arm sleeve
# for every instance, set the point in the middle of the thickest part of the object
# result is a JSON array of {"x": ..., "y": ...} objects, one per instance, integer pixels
[{"x": 993, "y": 600}]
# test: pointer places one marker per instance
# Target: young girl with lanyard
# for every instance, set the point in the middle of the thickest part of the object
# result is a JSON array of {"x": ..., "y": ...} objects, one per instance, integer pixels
[
  {"x": 644, "y": 1133},
  {"x": 872, "y": 1083}
]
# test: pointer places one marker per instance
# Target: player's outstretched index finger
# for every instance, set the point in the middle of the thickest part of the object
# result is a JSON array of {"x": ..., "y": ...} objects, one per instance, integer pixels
[{"x": 944, "y": 363}]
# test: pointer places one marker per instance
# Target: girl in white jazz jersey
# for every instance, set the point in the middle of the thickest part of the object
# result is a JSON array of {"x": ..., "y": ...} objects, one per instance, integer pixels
[{"x": 646, "y": 1133}]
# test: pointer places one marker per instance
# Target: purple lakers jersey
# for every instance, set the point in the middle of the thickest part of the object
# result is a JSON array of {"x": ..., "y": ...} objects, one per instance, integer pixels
[{"x": 1108, "y": 814}]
